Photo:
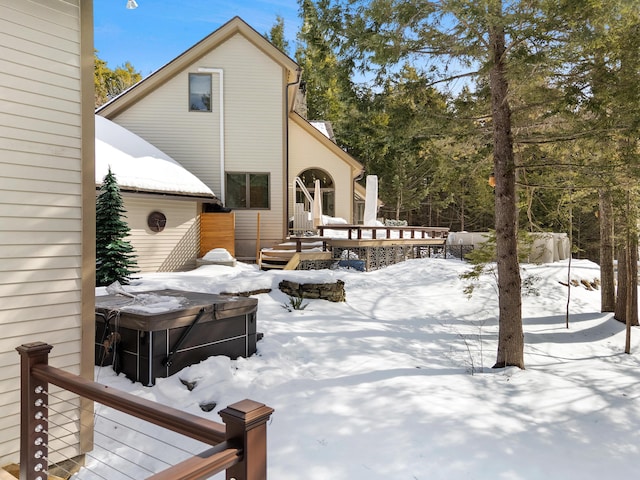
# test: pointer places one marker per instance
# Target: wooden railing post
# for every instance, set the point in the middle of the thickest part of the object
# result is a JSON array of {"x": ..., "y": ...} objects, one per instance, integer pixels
[
  {"x": 246, "y": 426},
  {"x": 33, "y": 413}
]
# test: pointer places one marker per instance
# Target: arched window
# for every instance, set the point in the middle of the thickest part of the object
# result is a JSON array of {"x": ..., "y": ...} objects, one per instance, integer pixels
[{"x": 327, "y": 189}]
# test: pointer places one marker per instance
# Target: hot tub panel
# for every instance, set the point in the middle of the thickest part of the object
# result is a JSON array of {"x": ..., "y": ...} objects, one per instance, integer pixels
[{"x": 226, "y": 326}]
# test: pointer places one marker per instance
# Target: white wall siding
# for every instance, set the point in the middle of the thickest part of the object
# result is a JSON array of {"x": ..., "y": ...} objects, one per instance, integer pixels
[
  {"x": 173, "y": 249},
  {"x": 41, "y": 201},
  {"x": 192, "y": 138},
  {"x": 255, "y": 136},
  {"x": 307, "y": 152},
  {"x": 253, "y": 125}
]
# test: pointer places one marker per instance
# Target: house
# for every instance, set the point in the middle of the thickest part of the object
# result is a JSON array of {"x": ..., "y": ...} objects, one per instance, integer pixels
[
  {"x": 224, "y": 110},
  {"x": 47, "y": 203},
  {"x": 161, "y": 198}
]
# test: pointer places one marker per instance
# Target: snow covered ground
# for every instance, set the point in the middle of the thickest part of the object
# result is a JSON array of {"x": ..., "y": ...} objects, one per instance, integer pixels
[{"x": 396, "y": 383}]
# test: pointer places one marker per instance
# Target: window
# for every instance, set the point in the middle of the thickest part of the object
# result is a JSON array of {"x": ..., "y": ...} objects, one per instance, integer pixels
[
  {"x": 327, "y": 187},
  {"x": 247, "y": 190},
  {"x": 199, "y": 92}
]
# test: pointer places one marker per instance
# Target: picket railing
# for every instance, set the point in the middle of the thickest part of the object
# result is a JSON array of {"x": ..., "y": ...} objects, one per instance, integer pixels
[
  {"x": 238, "y": 446},
  {"x": 359, "y": 232}
]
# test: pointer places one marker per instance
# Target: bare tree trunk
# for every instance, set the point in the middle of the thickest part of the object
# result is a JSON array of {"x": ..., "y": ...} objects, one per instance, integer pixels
[
  {"x": 631, "y": 307},
  {"x": 633, "y": 264},
  {"x": 627, "y": 291},
  {"x": 510, "y": 334},
  {"x": 627, "y": 297},
  {"x": 607, "y": 277},
  {"x": 620, "y": 312}
]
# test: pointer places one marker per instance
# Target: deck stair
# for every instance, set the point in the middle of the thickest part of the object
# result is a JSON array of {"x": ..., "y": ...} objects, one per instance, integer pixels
[
  {"x": 375, "y": 246},
  {"x": 287, "y": 255}
]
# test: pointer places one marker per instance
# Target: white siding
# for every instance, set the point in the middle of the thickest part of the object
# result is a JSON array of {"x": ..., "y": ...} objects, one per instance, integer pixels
[
  {"x": 173, "y": 249},
  {"x": 307, "y": 152},
  {"x": 253, "y": 127},
  {"x": 40, "y": 193}
]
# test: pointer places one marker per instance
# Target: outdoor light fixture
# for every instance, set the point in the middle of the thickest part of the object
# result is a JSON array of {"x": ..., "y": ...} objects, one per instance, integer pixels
[
  {"x": 131, "y": 4},
  {"x": 492, "y": 180}
]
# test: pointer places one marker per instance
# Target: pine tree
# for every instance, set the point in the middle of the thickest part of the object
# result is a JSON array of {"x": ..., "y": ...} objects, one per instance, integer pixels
[
  {"x": 276, "y": 35},
  {"x": 326, "y": 79},
  {"x": 115, "y": 259},
  {"x": 110, "y": 83},
  {"x": 491, "y": 37}
]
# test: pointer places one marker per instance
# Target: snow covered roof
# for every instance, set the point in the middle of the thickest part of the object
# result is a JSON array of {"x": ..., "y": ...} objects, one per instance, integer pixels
[
  {"x": 324, "y": 127},
  {"x": 140, "y": 166}
]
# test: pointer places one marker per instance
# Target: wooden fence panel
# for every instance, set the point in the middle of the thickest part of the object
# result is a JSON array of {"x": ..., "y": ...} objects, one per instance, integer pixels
[{"x": 217, "y": 230}]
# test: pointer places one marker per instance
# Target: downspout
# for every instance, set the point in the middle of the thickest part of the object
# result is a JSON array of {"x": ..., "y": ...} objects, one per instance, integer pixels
[
  {"x": 220, "y": 74},
  {"x": 286, "y": 154}
]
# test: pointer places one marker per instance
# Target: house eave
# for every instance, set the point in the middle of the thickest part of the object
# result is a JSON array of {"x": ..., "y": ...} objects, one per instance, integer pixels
[
  {"x": 165, "y": 73},
  {"x": 174, "y": 195},
  {"x": 356, "y": 166}
]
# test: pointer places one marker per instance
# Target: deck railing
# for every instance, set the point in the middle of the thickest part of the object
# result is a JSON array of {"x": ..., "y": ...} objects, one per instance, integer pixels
[
  {"x": 355, "y": 232},
  {"x": 238, "y": 446}
]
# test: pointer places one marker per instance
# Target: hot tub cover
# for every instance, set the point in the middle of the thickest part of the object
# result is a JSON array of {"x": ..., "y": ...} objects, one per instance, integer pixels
[{"x": 216, "y": 307}]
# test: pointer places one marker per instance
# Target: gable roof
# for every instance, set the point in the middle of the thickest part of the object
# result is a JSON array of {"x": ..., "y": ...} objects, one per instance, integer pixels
[
  {"x": 322, "y": 137},
  {"x": 234, "y": 26},
  {"x": 325, "y": 127},
  {"x": 140, "y": 166}
]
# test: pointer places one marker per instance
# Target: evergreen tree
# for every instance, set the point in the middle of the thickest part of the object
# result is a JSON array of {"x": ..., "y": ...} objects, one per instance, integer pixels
[
  {"x": 395, "y": 131},
  {"x": 604, "y": 73},
  {"x": 327, "y": 81},
  {"x": 276, "y": 36},
  {"x": 115, "y": 259},
  {"x": 110, "y": 83},
  {"x": 492, "y": 41}
]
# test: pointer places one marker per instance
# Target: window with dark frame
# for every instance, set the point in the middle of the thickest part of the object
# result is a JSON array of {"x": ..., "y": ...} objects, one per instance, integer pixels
[
  {"x": 247, "y": 190},
  {"x": 199, "y": 92}
]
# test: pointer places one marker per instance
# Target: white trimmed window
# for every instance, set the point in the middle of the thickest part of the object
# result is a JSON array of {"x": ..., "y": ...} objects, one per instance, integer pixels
[{"x": 199, "y": 92}]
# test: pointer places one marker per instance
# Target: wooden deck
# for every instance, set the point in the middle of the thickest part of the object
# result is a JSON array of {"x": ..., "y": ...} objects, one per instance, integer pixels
[
  {"x": 375, "y": 247},
  {"x": 359, "y": 232}
]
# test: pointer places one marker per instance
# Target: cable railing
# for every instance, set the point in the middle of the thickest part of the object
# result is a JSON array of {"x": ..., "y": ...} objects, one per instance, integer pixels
[{"x": 237, "y": 446}]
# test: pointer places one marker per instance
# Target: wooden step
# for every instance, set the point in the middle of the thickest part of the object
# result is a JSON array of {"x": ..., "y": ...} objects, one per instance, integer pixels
[
  {"x": 272, "y": 266},
  {"x": 274, "y": 259},
  {"x": 292, "y": 246},
  {"x": 269, "y": 253},
  {"x": 285, "y": 256}
]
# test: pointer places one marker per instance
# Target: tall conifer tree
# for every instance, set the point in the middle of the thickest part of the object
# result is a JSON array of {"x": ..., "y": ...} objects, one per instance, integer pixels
[
  {"x": 276, "y": 35},
  {"x": 115, "y": 260},
  {"x": 489, "y": 41},
  {"x": 110, "y": 83}
]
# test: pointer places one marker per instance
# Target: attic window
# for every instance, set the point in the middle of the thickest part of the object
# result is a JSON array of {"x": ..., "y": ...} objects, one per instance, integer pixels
[{"x": 199, "y": 92}]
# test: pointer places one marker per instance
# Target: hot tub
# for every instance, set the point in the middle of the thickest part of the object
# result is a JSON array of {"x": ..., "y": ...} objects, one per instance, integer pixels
[{"x": 146, "y": 345}]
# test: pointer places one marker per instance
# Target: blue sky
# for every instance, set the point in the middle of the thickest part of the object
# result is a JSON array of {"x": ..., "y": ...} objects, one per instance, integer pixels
[{"x": 160, "y": 30}]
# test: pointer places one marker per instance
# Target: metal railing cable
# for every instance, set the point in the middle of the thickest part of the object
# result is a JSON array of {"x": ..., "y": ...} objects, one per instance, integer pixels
[
  {"x": 128, "y": 427},
  {"x": 63, "y": 427},
  {"x": 239, "y": 442},
  {"x": 89, "y": 454},
  {"x": 66, "y": 444}
]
